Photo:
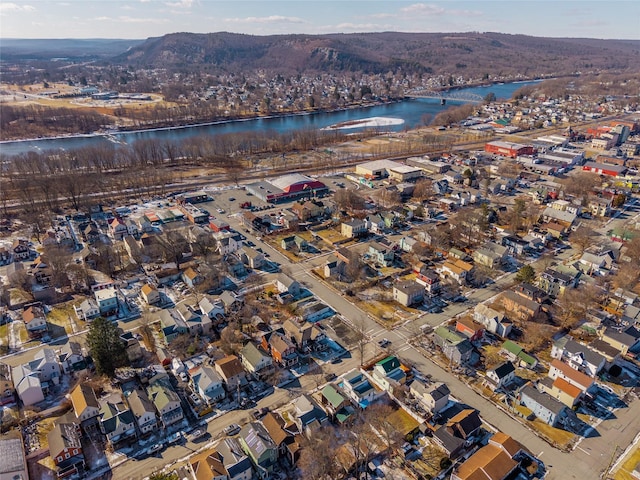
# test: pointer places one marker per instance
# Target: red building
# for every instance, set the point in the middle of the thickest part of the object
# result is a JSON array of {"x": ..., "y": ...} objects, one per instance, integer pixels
[
  {"x": 604, "y": 169},
  {"x": 507, "y": 149},
  {"x": 471, "y": 329}
]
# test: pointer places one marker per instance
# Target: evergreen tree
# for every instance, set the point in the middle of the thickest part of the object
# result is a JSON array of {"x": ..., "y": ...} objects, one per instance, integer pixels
[{"x": 107, "y": 348}]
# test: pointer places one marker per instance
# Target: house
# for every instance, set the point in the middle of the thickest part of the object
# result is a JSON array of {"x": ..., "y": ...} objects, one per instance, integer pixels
[
  {"x": 207, "y": 382},
  {"x": 459, "y": 270},
  {"x": 282, "y": 350},
  {"x": 465, "y": 424},
  {"x": 599, "y": 207},
  {"x": 515, "y": 245},
  {"x": 578, "y": 356},
  {"x": 143, "y": 411},
  {"x": 231, "y": 371},
  {"x": 518, "y": 306},
  {"x": 255, "y": 361},
  {"x": 388, "y": 374},
  {"x": 107, "y": 301},
  {"x": 13, "y": 463},
  {"x": 555, "y": 282},
  {"x": 455, "y": 346},
  {"x": 35, "y": 321},
  {"x": 227, "y": 242},
  {"x": 232, "y": 301},
  {"x": 623, "y": 340},
  {"x": 492, "y": 320},
  {"x": 166, "y": 401},
  {"x": 312, "y": 311},
  {"x": 236, "y": 463},
  {"x": 335, "y": 404},
  {"x": 531, "y": 292},
  {"x": 20, "y": 250},
  {"x": 428, "y": 278},
  {"x": 561, "y": 390},
  {"x": 546, "y": 408},
  {"x": 375, "y": 223},
  {"x": 578, "y": 379},
  {"x": 307, "y": 415},
  {"x": 333, "y": 267},
  {"x": 353, "y": 228},
  {"x": 117, "y": 229},
  {"x": 65, "y": 449},
  {"x": 408, "y": 293},
  {"x": 226, "y": 461},
  {"x": 150, "y": 294},
  {"x": 252, "y": 258},
  {"x": 308, "y": 210},
  {"x": 500, "y": 376},
  {"x": 132, "y": 228},
  {"x": 191, "y": 277},
  {"x": 88, "y": 310},
  {"x": 85, "y": 407},
  {"x": 288, "y": 447},
  {"x": 33, "y": 379},
  {"x": 563, "y": 217},
  {"x": 71, "y": 357},
  {"x": 434, "y": 396},
  {"x": 171, "y": 325},
  {"x": 29, "y": 387},
  {"x": 380, "y": 255},
  {"x": 91, "y": 233},
  {"x": 516, "y": 354},
  {"x": 596, "y": 261},
  {"x": 132, "y": 346},
  {"x": 474, "y": 331},
  {"x": 307, "y": 336},
  {"x": 116, "y": 420},
  {"x": 357, "y": 386},
  {"x": 495, "y": 461},
  {"x": 195, "y": 322},
  {"x": 490, "y": 255},
  {"x": 212, "y": 309},
  {"x": 286, "y": 284},
  {"x": 260, "y": 447}
]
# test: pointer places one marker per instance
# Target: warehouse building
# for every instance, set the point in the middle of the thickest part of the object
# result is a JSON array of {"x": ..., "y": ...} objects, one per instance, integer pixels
[
  {"x": 507, "y": 149},
  {"x": 376, "y": 169},
  {"x": 287, "y": 188}
]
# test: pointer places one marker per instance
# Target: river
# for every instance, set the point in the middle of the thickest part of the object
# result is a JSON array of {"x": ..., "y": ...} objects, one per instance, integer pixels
[{"x": 411, "y": 111}]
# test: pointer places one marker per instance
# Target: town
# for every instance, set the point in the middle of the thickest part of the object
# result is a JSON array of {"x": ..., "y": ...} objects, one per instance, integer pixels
[{"x": 464, "y": 314}]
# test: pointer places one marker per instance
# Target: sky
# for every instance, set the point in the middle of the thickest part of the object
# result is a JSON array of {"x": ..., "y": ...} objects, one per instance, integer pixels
[{"x": 151, "y": 18}]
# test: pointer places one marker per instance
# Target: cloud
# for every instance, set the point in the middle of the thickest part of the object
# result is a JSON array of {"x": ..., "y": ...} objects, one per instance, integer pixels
[
  {"x": 431, "y": 10},
  {"x": 186, "y": 4},
  {"x": 127, "y": 19},
  {"x": 127, "y": 7},
  {"x": 14, "y": 7},
  {"x": 357, "y": 26},
  {"x": 424, "y": 9},
  {"x": 269, "y": 19},
  {"x": 383, "y": 15}
]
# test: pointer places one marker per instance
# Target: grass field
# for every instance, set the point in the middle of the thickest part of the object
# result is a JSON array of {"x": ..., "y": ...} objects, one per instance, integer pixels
[{"x": 628, "y": 465}]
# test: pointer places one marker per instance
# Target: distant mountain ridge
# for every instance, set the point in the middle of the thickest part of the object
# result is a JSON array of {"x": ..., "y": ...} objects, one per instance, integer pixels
[
  {"x": 465, "y": 54},
  {"x": 436, "y": 53}
]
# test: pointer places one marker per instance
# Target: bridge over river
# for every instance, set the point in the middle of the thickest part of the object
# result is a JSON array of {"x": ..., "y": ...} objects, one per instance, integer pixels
[{"x": 446, "y": 95}]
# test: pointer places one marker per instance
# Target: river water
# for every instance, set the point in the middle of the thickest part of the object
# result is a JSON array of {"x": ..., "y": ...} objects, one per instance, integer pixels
[{"x": 412, "y": 111}]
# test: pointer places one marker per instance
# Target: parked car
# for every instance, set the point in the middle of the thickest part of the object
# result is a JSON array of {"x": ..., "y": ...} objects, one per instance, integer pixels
[
  {"x": 197, "y": 435},
  {"x": 155, "y": 448},
  {"x": 232, "y": 429}
]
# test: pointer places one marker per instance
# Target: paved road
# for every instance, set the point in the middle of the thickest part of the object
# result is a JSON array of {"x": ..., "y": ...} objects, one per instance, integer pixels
[{"x": 586, "y": 462}]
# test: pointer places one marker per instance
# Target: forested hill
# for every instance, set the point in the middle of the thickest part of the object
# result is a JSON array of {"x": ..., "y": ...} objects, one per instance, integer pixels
[{"x": 466, "y": 53}]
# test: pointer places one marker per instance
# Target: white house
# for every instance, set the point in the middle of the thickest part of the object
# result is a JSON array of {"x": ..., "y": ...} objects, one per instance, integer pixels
[
  {"x": 501, "y": 375},
  {"x": 107, "y": 301},
  {"x": 433, "y": 396},
  {"x": 208, "y": 383},
  {"x": 388, "y": 374},
  {"x": 35, "y": 320},
  {"x": 492, "y": 320},
  {"x": 255, "y": 361},
  {"x": 578, "y": 356},
  {"x": 143, "y": 411}
]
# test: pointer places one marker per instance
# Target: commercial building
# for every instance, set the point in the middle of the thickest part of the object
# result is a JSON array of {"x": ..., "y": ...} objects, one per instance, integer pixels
[
  {"x": 376, "y": 169},
  {"x": 287, "y": 188},
  {"x": 507, "y": 149},
  {"x": 604, "y": 169}
]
